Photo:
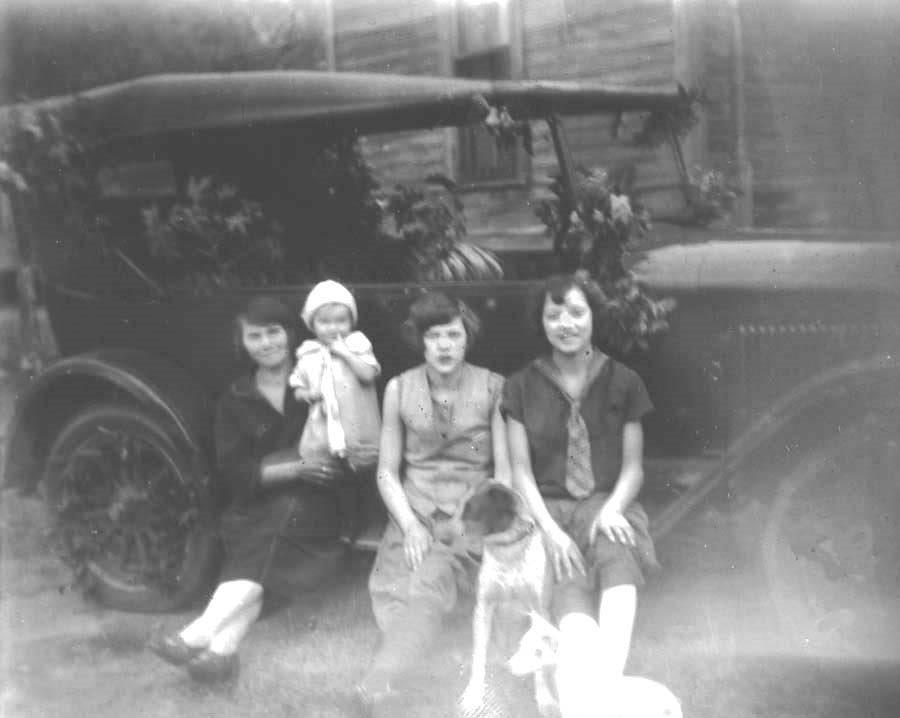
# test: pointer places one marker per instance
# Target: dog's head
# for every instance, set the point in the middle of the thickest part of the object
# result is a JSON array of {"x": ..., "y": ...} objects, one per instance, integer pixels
[
  {"x": 491, "y": 509},
  {"x": 537, "y": 649}
]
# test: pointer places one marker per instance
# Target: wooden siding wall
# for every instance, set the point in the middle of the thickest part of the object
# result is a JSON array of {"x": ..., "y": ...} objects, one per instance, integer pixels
[
  {"x": 822, "y": 109},
  {"x": 398, "y": 36},
  {"x": 628, "y": 42},
  {"x": 616, "y": 41}
]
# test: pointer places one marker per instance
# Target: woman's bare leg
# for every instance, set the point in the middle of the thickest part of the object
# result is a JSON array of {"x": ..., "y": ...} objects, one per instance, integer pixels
[
  {"x": 615, "y": 619},
  {"x": 576, "y": 670},
  {"x": 230, "y": 635},
  {"x": 592, "y": 654},
  {"x": 229, "y": 601}
]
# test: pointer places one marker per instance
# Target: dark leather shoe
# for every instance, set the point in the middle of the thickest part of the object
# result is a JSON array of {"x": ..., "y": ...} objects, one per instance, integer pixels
[
  {"x": 173, "y": 649},
  {"x": 209, "y": 667}
]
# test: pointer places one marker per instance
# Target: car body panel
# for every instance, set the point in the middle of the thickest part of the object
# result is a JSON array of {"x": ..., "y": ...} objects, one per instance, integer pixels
[
  {"x": 759, "y": 316},
  {"x": 85, "y": 378}
]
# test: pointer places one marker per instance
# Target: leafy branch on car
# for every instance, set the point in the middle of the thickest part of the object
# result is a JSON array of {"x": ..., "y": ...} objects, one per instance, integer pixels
[
  {"x": 708, "y": 194},
  {"x": 673, "y": 122},
  {"x": 506, "y": 131},
  {"x": 45, "y": 166},
  {"x": 430, "y": 222},
  {"x": 215, "y": 236},
  {"x": 593, "y": 238}
]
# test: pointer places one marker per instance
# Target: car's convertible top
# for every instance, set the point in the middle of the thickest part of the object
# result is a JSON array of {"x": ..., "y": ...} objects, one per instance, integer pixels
[{"x": 362, "y": 102}]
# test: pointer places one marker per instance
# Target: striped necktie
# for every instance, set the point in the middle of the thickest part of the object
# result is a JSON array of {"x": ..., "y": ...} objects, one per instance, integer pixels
[{"x": 579, "y": 471}]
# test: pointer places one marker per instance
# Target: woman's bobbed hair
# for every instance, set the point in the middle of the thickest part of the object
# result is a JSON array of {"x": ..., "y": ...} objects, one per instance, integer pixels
[
  {"x": 436, "y": 308},
  {"x": 557, "y": 287},
  {"x": 262, "y": 311}
]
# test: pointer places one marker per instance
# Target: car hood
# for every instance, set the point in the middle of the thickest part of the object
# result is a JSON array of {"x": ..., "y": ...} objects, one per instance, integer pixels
[{"x": 773, "y": 265}]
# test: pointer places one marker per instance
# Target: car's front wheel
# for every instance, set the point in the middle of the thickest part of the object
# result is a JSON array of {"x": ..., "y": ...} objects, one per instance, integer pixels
[{"x": 130, "y": 517}]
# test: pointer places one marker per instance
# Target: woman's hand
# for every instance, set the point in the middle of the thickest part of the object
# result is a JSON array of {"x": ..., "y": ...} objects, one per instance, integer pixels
[
  {"x": 564, "y": 554},
  {"x": 310, "y": 396},
  {"x": 613, "y": 524},
  {"x": 317, "y": 470},
  {"x": 286, "y": 465},
  {"x": 416, "y": 543}
]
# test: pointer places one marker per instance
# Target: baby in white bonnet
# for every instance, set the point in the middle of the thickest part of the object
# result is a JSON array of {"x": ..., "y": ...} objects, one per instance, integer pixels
[{"x": 335, "y": 374}]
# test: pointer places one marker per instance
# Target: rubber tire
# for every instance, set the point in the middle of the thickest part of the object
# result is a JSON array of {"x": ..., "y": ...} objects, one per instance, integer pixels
[{"x": 203, "y": 555}]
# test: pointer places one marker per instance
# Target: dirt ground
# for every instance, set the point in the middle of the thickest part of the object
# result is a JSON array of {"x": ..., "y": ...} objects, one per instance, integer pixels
[{"x": 704, "y": 629}]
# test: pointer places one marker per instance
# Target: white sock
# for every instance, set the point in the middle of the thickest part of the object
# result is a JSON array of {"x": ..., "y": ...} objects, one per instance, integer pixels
[{"x": 229, "y": 599}]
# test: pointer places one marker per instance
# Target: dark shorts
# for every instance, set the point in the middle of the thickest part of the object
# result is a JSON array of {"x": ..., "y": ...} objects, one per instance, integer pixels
[
  {"x": 608, "y": 563},
  {"x": 277, "y": 534}
]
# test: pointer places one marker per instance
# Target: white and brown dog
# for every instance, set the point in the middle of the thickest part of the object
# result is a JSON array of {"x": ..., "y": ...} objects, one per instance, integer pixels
[
  {"x": 513, "y": 570},
  {"x": 627, "y": 697},
  {"x": 515, "y": 574}
]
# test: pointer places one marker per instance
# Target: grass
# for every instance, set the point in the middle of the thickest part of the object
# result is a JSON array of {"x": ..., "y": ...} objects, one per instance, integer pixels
[{"x": 702, "y": 630}]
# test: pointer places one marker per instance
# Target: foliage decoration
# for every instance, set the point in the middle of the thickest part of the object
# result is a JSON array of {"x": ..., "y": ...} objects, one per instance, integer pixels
[
  {"x": 216, "y": 235},
  {"x": 47, "y": 166},
  {"x": 506, "y": 131},
  {"x": 710, "y": 196},
  {"x": 593, "y": 238},
  {"x": 632, "y": 315},
  {"x": 675, "y": 122},
  {"x": 430, "y": 223},
  {"x": 51, "y": 177},
  {"x": 594, "y": 235}
]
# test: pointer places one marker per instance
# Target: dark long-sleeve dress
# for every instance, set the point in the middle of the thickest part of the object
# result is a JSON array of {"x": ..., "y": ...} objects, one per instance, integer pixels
[{"x": 261, "y": 524}]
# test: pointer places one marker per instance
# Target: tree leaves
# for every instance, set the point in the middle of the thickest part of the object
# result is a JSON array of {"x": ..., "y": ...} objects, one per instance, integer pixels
[
  {"x": 216, "y": 232},
  {"x": 675, "y": 122},
  {"x": 594, "y": 238}
]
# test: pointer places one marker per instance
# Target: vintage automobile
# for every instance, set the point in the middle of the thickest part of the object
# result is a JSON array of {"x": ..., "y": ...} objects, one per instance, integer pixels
[{"x": 776, "y": 385}]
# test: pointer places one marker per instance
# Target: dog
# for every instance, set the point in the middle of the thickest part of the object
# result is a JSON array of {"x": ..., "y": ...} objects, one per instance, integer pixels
[
  {"x": 513, "y": 573},
  {"x": 628, "y": 697}
]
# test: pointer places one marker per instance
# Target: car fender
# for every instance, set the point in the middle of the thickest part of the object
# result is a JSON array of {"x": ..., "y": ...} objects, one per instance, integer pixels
[
  {"x": 871, "y": 384},
  {"x": 50, "y": 398}
]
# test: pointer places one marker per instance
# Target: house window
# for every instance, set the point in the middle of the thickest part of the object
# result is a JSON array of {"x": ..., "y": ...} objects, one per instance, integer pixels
[{"x": 482, "y": 50}]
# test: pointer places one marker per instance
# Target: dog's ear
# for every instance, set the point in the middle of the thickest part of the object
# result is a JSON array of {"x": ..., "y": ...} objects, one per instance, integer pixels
[{"x": 492, "y": 509}]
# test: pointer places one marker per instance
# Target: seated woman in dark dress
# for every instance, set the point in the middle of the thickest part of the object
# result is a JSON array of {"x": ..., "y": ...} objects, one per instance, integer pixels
[
  {"x": 274, "y": 502},
  {"x": 576, "y": 451}
]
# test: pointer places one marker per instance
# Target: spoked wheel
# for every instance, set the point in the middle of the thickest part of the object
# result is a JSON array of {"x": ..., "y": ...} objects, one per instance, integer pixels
[
  {"x": 130, "y": 517},
  {"x": 831, "y": 547}
]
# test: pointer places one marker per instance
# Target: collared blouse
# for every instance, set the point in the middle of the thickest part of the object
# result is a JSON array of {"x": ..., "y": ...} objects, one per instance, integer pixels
[{"x": 615, "y": 397}]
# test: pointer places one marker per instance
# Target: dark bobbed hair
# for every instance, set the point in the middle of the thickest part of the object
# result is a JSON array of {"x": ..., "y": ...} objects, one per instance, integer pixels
[
  {"x": 435, "y": 308},
  {"x": 556, "y": 288},
  {"x": 263, "y": 311}
]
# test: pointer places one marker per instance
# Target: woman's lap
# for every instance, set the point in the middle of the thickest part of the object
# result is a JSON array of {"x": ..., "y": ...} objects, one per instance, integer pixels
[
  {"x": 442, "y": 577},
  {"x": 272, "y": 533},
  {"x": 609, "y": 563}
]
